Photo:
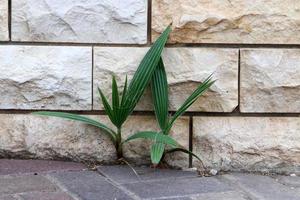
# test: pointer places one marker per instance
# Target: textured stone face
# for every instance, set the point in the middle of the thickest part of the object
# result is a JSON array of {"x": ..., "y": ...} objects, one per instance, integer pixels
[
  {"x": 35, "y": 77},
  {"x": 186, "y": 69},
  {"x": 270, "y": 80},
  {"x": 248, "y": 143},
  {"x": 4, "y": 20},
  {"x": 228, "y": 21},
  {"x": 30, "y": 136},
  {"x": 93, "y": 21}
]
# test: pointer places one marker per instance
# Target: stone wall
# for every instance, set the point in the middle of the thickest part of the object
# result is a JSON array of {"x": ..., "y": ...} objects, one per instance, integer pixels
[{"x": 54, "y": 54}]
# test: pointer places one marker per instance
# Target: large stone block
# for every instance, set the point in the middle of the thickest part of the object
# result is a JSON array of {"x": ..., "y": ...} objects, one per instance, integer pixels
[
  {"x": 93, "y": 21},
  {"x": 45, "y": 77},
  {"x": 264, "y": 144},
  {"x": 186, "y": 69},
  {"x": 228, "y": 21},
  {"x": 29, "y": 136},
  {"x": 3, "y": 20},
  {"x": 270, "y": 80}
]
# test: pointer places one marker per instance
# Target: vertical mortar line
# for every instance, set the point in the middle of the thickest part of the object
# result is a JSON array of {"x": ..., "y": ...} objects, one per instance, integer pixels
[
  {"x": 92, "y": 78},
  {"x": 9, "y": 19},
  {"x": 149, "y": 22},
  {"x": 191, "y": 141},
  {"x": 239, "y": 79}
]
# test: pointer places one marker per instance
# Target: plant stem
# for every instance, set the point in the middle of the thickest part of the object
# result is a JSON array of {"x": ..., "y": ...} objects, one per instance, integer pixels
[{"x": 119, "y": 144}]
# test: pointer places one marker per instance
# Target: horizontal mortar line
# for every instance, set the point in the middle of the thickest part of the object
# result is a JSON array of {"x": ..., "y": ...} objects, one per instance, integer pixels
[
  {"x": 71, "y": 44},
  {"x": 151, "y": 113},
  {"x": 190, "y": 45}
]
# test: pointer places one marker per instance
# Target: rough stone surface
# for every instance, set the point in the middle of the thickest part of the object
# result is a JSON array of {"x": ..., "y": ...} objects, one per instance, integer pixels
[
  {"x": 228, "y": 21},
  {"x": 92, "y": 21},
  {"x": 270, "y": 80},
  {"x": 186, "y": 69},
  {"x": 45, "y": 77},
  {"x": 46, "y": 196},
  {"x": 3, "y": 20},
  {"x": 265, "y": 144},
  {"x": 54, "y": 138}
]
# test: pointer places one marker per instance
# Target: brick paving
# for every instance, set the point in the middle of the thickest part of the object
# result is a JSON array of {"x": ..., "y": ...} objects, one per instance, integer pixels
[{"x": 55, "y": 180}]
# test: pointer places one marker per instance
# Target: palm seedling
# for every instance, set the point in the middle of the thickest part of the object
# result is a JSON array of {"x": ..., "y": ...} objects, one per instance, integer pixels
[
  {"x": 124, "y": 104},
  {"x": 159, "y": 88}
]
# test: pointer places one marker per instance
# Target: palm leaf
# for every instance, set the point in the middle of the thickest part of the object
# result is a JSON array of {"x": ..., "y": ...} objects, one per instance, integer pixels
[
  {"x": 144, "y": 73},
  {"x": 184, "y": 151},
  {"x": 107, "y": 107},
  {"x": 190, "y": 100},
  {"x": 115, "y": 94},
  {"x": 157, "y": 151},
  {"x": 159, "y": 87},
  {"x": 156, "y": 137},
  {"x": 80, "y": 118}
]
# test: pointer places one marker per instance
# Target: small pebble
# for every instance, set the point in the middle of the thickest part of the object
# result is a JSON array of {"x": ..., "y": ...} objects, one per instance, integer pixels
[
  {"x": 213, "y": 172},
  {"x": 193, "y": 169},
  {"x": 293, "y": 175}
]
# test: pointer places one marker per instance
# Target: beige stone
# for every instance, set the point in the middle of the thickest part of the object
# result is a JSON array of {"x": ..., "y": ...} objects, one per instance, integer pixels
[
  {"x": 264, "y": 144},
  {"x": 228, "y": 21},
  {"x": 92, "y": 21},
  {"x": 45, "y": 77},
  {"x": 186, "y": 69},
  {"x": 4, "y": 20},
  {"x": 270, "y": 80},
  {"x": 31, "y": 136}
]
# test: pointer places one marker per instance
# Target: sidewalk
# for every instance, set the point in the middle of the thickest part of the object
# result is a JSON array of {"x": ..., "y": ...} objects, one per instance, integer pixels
[{"x": 53, "y": 180}]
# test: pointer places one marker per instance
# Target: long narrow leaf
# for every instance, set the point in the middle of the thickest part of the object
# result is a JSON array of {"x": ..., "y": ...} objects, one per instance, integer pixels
[
  {"x": 154, "y": 136},
  {"x": 184, "y": 151},
  {"x": 80, "y": 118},
  {"x": 107, "y": 107},
  {"x": 144, "y": 73},
  {"x": 190, "y": 100},
  {"x": 115, "y": 94},
  {"x": 157, "y": 151},
  {"x": 159, "y": 87}
]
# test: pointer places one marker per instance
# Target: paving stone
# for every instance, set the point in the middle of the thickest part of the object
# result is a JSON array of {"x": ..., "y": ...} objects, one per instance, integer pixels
[
  {"x": 124, "y": 174},
  {"x": 232, "y": 195},
  {"x": 8, "y": 197},
  {"x": 263, "y": 187},
  {"x": 21, "y": 184},
  {"x": 289, "y": 181},
  {"x": 177, "y": 187},
  {"x": 89, "y": 185},
  {"x": 46, "y": 196},
  {"x": 92, "y": 21},
  {"x": 4, "y": 20},
  {"x": 36, "y": 166},
  {"x": 45, "y": 77}
]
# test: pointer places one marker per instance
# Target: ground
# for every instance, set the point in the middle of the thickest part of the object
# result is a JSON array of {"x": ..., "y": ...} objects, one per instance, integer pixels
[{"x": 55, "y": 180}]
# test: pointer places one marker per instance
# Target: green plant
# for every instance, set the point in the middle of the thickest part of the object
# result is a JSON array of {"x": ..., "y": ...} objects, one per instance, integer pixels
[
  {"x": 159, "y": 88},
  {"x": 122, "y": 105}
]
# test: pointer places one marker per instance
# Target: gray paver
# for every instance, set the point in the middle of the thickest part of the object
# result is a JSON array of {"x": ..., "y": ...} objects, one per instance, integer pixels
[
  {"x": 36, "y": 166},
  {"x": 89, "y": 186},
  {"x": 8, "y": 197},
  {"x": 179, "y": 187},
  {"x": 232, "y": 195},
  {"x": 46, "y": 196},
  {"x": 124, "y": 174},
  {"x": 263, "y": 187},
  {"x": 289, "y": 181},
  {"x": 20, "y": 184}
]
